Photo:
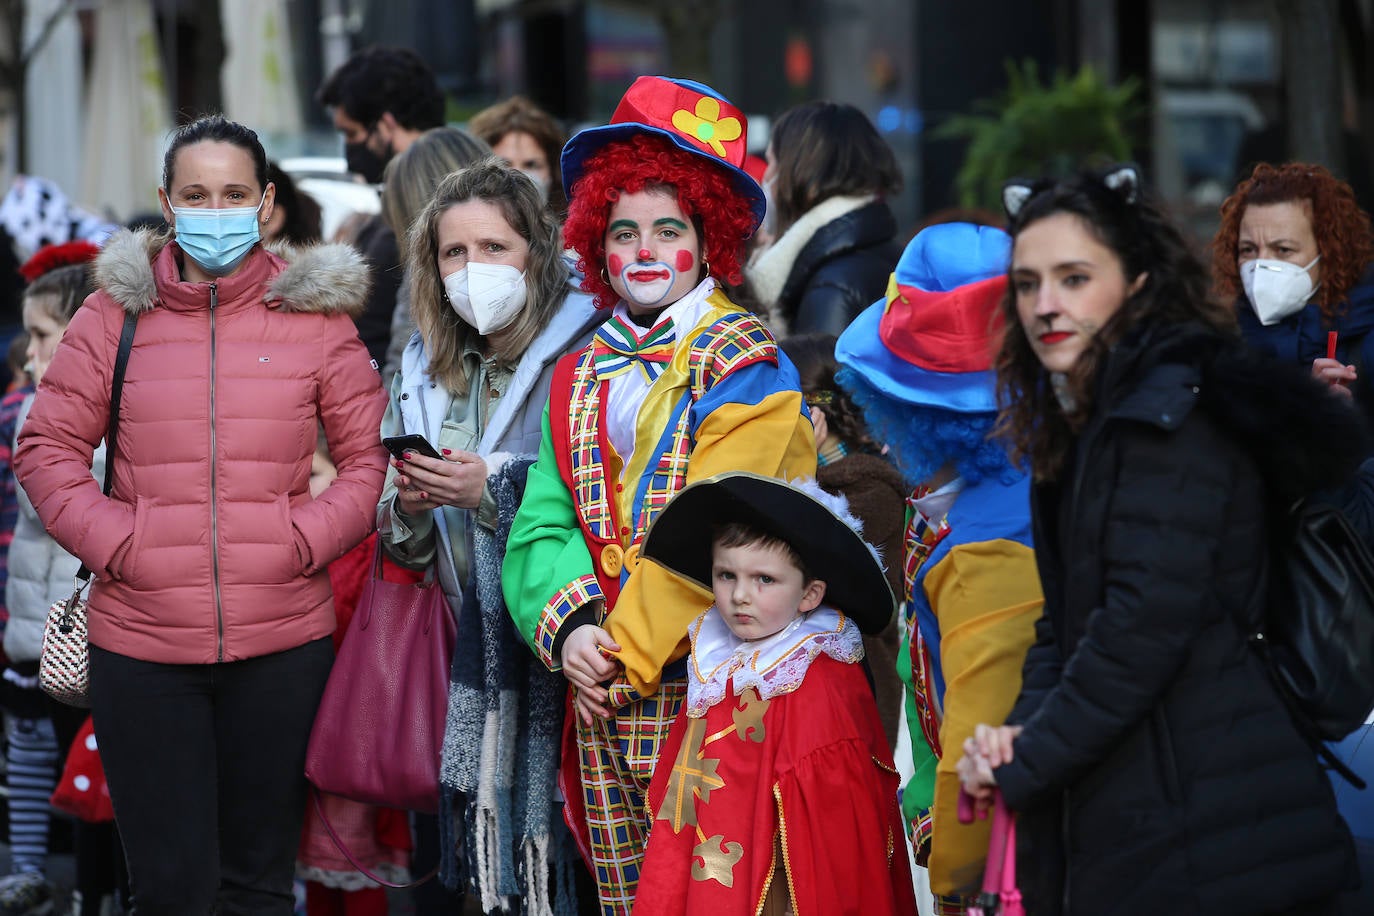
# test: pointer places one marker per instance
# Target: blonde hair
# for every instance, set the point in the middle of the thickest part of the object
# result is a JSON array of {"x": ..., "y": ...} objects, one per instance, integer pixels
[
  {"x": 411, "y": 177},
  {"x": 446, "y": 336}
]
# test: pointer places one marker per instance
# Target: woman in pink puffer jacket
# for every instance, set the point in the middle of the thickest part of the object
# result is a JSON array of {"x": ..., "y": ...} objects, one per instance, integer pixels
[{"x": 211, "y": 616}]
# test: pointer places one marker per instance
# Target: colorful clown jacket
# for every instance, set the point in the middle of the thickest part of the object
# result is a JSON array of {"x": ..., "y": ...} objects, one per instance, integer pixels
[
  {"x": 721, "y": 399},
  {"x": 776, "y": 783},
  {"x": 973, "y": 596}
]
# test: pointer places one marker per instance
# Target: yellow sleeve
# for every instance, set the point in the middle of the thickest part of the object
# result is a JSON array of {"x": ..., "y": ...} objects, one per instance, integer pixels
[
  {"x": 769, "y": 436},
  {"x": 986, "y": 597}
]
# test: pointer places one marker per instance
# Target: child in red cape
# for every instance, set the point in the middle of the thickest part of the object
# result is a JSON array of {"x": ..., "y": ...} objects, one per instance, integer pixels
[{"x": 775, "y": 791}]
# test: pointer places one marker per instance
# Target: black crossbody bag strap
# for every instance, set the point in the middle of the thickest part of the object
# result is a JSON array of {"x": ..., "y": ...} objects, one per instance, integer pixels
[{"x": 126, "y": 344}]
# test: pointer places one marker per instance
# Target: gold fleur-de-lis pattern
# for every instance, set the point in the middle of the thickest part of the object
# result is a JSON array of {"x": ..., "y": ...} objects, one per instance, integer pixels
[
  {"x": 694, "y": 778},
  {"x": 714, "y": 859}
]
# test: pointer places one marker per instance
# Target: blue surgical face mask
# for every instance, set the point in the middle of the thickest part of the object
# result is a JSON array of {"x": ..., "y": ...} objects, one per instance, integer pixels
[{"x": 217, "y": 240}]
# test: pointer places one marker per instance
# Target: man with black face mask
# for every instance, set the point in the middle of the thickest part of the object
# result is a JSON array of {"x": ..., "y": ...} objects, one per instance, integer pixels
[{"x": 382, "y": 99}]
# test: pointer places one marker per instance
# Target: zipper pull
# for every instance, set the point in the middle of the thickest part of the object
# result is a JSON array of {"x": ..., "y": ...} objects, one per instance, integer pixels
[{"x": 214, "y": 294}]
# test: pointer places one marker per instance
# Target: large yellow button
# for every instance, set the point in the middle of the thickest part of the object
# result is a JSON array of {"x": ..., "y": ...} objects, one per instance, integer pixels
[
  {"x": 612, "y": 559},
  {"x": 631, "y": 559}
]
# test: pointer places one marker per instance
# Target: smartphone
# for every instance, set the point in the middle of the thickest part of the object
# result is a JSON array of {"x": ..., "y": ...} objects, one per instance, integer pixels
[{"x": 399, "y": 445}]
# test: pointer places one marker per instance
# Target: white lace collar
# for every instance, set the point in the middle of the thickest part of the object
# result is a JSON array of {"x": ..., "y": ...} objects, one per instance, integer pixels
[{"x": 773, "y": 666}]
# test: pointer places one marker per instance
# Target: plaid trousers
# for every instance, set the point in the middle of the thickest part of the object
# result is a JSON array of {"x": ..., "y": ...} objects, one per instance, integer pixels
[{"x": 617, "y": 757}]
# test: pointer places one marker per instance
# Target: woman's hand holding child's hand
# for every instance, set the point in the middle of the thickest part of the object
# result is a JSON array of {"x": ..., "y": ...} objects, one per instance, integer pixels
[
  {"x": 587, "y": 667},
  {"x": 425, "y": 483},
  {"x": 989, "y": 748}
]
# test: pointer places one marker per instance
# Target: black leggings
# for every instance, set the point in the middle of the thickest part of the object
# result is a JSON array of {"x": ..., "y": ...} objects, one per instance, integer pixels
[{"x": 206, "y": 771}]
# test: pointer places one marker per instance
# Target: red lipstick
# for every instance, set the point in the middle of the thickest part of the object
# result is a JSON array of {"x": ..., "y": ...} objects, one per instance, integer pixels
[{"x": 1054, "y": 337}]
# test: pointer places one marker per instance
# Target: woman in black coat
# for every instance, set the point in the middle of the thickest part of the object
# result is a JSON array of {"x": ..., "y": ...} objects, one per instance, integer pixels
[
  {"x": 1153, "y": 766},
  {"x": 829, "y": 172}
]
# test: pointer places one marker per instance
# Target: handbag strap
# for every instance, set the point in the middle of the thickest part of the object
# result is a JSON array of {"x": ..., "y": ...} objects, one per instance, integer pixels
[
  {"x": 329, "y": 829},
  {"x": 997, "y": 846},
  {"x": 126, "y": 344},
  {"x": 1009, "y": 890},
  {"x": 1000, "y": 894}
]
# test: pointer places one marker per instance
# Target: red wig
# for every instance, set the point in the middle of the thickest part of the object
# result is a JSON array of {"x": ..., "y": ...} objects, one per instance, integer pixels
[
  {"x": 722, "y": 216},
  {"x": 1341, "y": 228}
]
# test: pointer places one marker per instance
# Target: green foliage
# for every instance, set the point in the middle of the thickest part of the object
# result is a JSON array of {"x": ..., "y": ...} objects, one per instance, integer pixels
[{"x": 1036, "y": 129}]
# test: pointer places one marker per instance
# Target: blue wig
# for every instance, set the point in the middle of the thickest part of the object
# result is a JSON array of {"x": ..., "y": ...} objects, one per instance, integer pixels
[{"x": 924, "y": 439}]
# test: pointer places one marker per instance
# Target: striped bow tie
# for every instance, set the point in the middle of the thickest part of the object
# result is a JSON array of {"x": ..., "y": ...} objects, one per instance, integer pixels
[{"x": 619, "y": 349}]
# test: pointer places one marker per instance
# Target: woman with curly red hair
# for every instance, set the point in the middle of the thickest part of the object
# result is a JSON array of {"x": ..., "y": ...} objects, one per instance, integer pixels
[
  {"x": 677, "y": 384},
  {"x": 1296, "y": 253}
]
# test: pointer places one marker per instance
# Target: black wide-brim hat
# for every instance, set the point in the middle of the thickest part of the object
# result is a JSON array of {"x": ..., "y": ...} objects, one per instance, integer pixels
[{"x": 680, "y": 538}]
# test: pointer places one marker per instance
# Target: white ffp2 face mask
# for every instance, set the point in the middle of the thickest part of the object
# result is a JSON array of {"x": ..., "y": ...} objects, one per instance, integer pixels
[
  {"x": 487, "y": 296},
  {"x": 1276, "y": 289}
]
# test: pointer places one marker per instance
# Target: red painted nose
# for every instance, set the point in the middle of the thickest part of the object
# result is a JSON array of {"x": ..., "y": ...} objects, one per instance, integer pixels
[{"x": 645, "y": 254}]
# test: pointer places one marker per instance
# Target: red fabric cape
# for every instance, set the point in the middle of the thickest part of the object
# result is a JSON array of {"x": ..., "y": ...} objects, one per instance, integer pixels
[{"x": 809, "y": 770}]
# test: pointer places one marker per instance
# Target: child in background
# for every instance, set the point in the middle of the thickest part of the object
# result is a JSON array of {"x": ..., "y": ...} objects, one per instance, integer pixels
[
  {"x": 21, "y": 388},
  {"x": 848, "y": 463},
  {"x": 38, "y": 573},
  {"x": 775, "y": 791}
]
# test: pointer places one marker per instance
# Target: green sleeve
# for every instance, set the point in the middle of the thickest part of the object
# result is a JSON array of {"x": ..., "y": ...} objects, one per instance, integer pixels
[
  {"x": 548, "y": 574},
  {"x": 919, "y": 792}
]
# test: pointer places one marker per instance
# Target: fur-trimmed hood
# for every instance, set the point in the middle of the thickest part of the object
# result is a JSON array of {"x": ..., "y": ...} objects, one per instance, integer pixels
[
  {"x": 135, "y": 269},
  {"x": 1303, "y": 437}
]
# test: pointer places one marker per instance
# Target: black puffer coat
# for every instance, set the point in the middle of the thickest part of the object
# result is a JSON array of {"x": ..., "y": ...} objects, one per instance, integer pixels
[
  {"x": 1158, "y": 772},
  {"x": 841, "y": 271}
]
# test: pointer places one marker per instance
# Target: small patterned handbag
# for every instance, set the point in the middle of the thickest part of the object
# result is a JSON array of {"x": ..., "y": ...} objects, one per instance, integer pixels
[{"x": 64, "y": 664}]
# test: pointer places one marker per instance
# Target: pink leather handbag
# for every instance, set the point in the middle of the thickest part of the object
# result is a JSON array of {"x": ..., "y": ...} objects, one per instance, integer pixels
[{"x": 380, "y": 726}]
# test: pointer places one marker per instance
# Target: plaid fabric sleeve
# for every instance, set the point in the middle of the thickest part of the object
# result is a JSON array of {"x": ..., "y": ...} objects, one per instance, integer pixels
[
  {"x": 548, "y": 572},
  {"x": 568, "y": 599}
]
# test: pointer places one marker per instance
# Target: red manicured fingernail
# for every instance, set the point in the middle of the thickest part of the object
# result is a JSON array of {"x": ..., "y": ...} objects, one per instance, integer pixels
[{"x": 446, "y": 451}]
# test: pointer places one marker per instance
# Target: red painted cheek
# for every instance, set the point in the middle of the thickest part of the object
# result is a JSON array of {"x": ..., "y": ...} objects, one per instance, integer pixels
[
  {"x": 684, "y": 261},
  {"x": 615, "y": 264}
]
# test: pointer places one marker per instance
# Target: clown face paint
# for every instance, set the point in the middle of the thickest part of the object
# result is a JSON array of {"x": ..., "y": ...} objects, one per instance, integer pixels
[{"x": 653, "y": 254}]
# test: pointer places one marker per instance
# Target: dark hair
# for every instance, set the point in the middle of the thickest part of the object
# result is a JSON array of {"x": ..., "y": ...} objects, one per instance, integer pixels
[
  {"x": 518, "y": 114},
  {"x": 62, "y": 290},
  {"x": 1341, "y": 228},
  {"x": 215, "y": 129},
  {"x": 379, "y": 79},
  {"x": 302, "y": 226},
  {"x": 743, "y": 534},
  {"x": 814, "y": 357},
  {"x": 823, "y": 150},
  {"x": 644, "y": 162},
  {"x": 18, "y": 354},
  {"x": 1174, "y": 290}
]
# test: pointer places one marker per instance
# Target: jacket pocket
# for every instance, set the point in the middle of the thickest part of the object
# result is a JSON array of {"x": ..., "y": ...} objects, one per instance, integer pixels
[
  {"x": 132, "y": 568},
  {"x": 287, "y": 563},
  {"x": 458, "y": 437}
]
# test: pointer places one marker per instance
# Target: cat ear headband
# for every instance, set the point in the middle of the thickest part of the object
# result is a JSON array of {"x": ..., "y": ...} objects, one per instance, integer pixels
[{"x": 1124, "y": 180}]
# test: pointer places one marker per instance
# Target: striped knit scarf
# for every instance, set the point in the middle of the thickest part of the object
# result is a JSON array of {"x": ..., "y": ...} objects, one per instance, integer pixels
[{"x": 500, "y": 753}]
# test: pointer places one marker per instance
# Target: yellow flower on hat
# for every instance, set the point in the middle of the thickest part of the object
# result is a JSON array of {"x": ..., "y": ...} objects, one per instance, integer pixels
[{"x": 706, "y": 124}]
